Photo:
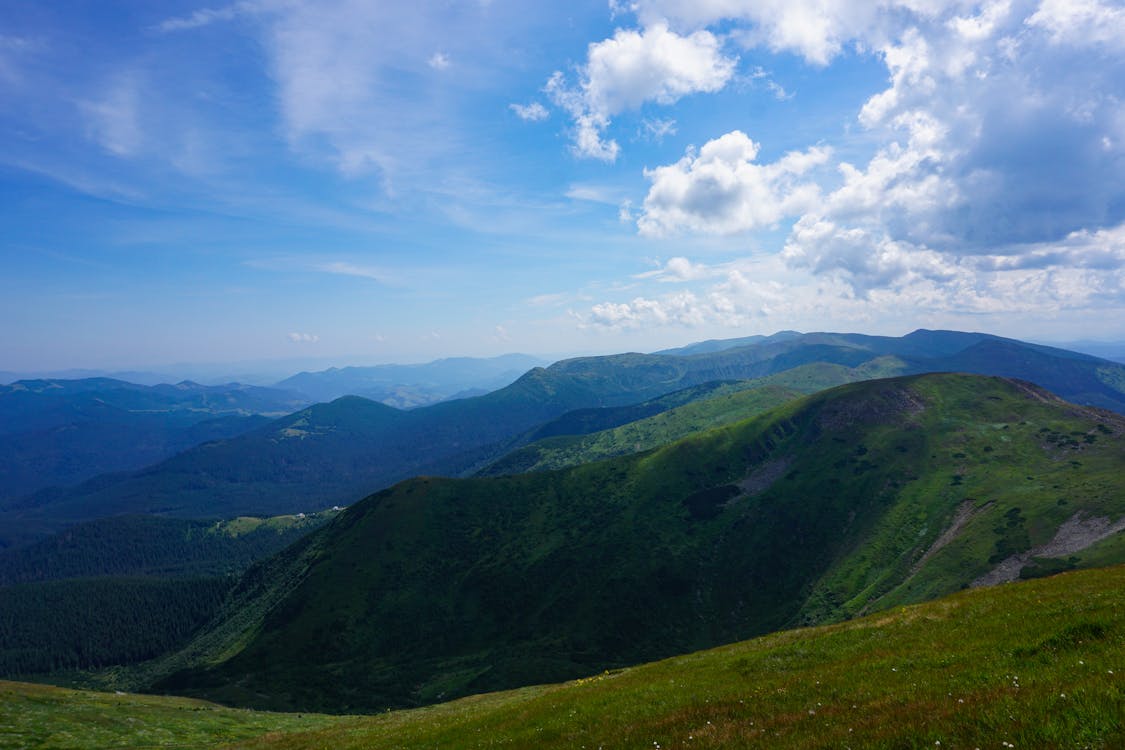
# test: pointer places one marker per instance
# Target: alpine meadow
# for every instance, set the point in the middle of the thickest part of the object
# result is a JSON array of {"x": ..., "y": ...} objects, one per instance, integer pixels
[{"x": 620, "y": 374}]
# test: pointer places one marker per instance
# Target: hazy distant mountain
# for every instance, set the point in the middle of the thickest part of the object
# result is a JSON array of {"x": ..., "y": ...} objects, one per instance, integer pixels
[
  {"x": 408, "y": 386},
  {"x": 60, "y": 432},
  {"x": 865, "y": 496},
  {"x": 1112, "y": 350}
]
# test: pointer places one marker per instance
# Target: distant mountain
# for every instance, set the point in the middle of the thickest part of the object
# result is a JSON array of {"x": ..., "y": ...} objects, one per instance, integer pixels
[
  {"x": 408, "y": 386},
  {"x": 61, "y": 432},
  {"x": 862, "y": 497},
  {"x": 332, "y": 454},
  {"x": 1111, "y": 350},
  {"x": 718, "y": 345}
]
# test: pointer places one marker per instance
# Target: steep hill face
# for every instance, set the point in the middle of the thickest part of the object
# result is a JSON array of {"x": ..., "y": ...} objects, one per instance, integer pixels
[{"x": 864, "y": 496}]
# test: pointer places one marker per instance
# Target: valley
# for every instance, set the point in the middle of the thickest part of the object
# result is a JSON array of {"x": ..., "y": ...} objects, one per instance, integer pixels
[{"x": 594, "y": 515}]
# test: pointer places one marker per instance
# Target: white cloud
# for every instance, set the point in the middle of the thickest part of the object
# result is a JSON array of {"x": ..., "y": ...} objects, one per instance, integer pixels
[
  {"x": 303, "y": 338},
  {"x": 999, "y": 144},
  {"x": 679, "y": 269},
  {"x": 1080, "y": 22},
  {"x": 533, "y": 112},
  {"x": 657, "y": 129},
  {"x": 631, "y": 68},
  {"x": 439, "y": 61},
  {"x": 207, "y": 16},
  {"x": 815, "y": 29},
  {"x": 721, "y": 189},
  {"x": 350, "y": 269},
  {"x": 113, "y": 120}
]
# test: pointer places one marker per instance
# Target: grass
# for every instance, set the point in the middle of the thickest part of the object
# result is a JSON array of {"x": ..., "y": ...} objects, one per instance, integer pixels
[
  {"x": 1034, "y": 664},
  {"x": 1038, "y": 664},
  {"x": 40, "y": 716}
]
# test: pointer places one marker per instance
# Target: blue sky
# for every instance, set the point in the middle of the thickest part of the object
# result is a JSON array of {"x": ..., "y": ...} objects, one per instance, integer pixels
[{"x": 370, "y": 181}]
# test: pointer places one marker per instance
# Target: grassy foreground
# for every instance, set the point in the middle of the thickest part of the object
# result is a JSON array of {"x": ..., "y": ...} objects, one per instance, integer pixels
[{"x": 1035, "y": 664}]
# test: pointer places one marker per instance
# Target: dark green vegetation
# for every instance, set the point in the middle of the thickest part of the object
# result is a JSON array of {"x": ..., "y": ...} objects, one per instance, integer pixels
[
  {"x": 1035, "y": 665},
  {"x": 125, "y": 589},
  {"x": 861, "y": 497},
  {"x": 642, "y": 434},
  {"x": 334, "y": 453},
  {"x": 409, "y": 386},
  {"x": 154, "y": 546},
  {"x": 97, "y": 622},
  {"x": 60, "y": 432}
]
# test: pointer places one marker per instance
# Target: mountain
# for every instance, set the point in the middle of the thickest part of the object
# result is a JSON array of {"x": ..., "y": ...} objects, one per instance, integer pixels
[
  {"x": 60, "y": 432},
  {"x": 332, "y": 454},
  {"x": 863, "y": 497},
  {"x": 718, "y": 345},
  {"x": 408, "y": 386},
  {"x": 588, "y": 435}
]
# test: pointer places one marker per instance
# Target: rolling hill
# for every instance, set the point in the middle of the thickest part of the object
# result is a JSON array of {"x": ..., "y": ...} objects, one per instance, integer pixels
[{"x": 859, "y": 498}]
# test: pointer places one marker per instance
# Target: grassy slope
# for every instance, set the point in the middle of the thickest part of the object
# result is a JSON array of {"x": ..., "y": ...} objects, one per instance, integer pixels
[
  {"x": 566, "y": 441},
  {"x": 643, "y": 434},
  {"x": 444, "y": 587},
  {"x": 38, "y": 716},
  {"x": 1035, "y": 664}
]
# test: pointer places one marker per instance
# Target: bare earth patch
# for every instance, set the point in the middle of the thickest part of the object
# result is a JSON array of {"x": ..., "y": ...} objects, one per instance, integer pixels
[{"x": 1075, "y": 534}]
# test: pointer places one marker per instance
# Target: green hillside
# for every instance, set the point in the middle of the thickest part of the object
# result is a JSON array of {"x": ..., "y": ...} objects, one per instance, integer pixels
[
  {"x": 643, "y": 434},
  {"x": 864, "y": 496},
  {"x": 1033, "y": 665},
  {"x": 593, "y": 434}
]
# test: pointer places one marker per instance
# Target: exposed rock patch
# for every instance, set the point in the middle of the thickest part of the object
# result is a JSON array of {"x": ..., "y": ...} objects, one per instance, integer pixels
[
  {"x": 763, "y": 477},
  {"x": 1076, "y": 534}
]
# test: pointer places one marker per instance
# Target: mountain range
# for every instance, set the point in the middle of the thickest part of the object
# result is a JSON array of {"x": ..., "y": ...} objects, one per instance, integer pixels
[
  {"x": 334, "y": 453},
  {"x": 858, "y": 498}
]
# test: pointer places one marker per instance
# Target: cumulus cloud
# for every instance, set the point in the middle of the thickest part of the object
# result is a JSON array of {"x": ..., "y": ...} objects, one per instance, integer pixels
[
  {"x": 1000, "y": 144},
  {"x": 721, "y": 189},
  {"x": 633, "y": 67},
  {"x": 438, "y": 61}
]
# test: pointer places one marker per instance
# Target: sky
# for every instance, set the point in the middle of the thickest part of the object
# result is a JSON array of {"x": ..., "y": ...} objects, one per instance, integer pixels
[{"x": 376, "y": 181}]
